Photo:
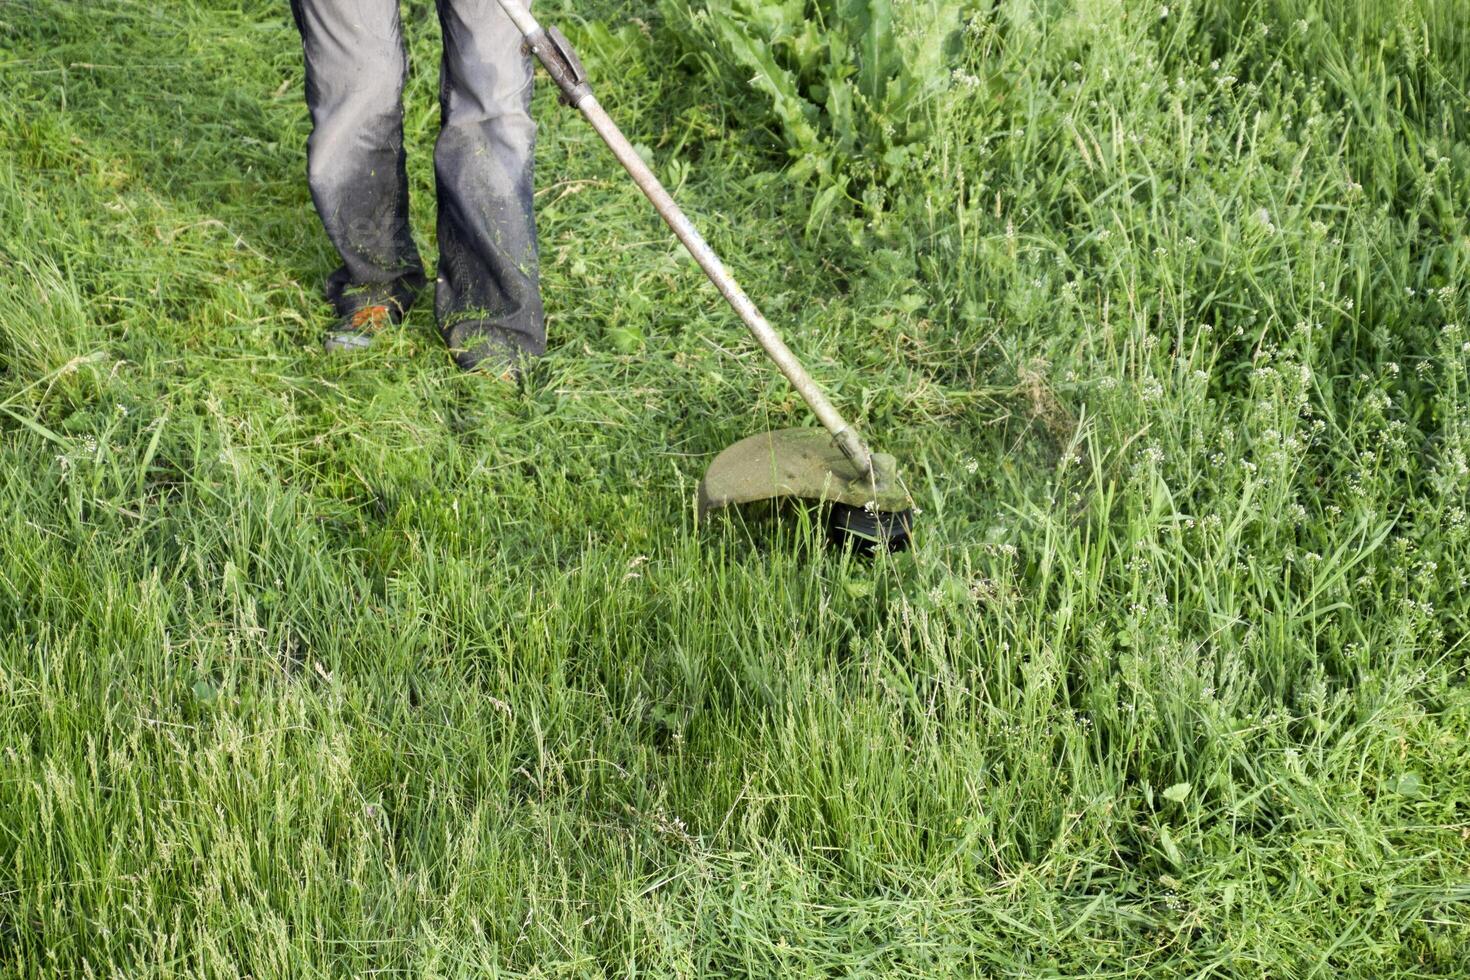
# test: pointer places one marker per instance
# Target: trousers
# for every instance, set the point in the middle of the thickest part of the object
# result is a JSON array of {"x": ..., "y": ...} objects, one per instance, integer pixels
[{"x": 356, "y": 64}]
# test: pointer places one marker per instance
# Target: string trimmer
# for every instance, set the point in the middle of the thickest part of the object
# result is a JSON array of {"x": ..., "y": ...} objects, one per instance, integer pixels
[{"x": 869, "y": 506}]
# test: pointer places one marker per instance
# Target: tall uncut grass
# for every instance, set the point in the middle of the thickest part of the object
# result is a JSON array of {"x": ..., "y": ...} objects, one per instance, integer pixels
[{"x": 315, "y": 666}]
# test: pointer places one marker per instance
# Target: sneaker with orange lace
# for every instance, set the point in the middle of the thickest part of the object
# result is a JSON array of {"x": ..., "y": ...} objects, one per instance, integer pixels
[{"x": 354, "y": 332}]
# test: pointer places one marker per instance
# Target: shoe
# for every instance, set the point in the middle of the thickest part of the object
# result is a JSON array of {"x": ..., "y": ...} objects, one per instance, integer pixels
[
  {"x": 354, "y": 332},
  {"x": 365, "y": 308},
  {"x": 495, "y": 356}
]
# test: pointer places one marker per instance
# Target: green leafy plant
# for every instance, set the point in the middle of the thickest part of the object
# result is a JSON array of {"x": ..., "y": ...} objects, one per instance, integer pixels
[{"x": 844, "y": 81}]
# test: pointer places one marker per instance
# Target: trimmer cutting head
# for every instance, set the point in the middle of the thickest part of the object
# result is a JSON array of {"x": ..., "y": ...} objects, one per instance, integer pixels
[{"x": 867, "y": 512}]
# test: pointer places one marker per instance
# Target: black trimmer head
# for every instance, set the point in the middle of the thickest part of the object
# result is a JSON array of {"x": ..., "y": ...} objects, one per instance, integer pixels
[
  {"x": 868, "y": 532},
  {"x": 869, "y": 512}
]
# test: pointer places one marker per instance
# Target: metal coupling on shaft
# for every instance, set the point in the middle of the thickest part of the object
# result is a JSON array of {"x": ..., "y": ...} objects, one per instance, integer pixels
[
  {"x": 852, "y": 447},
  {"x": 554, "y": 51}
]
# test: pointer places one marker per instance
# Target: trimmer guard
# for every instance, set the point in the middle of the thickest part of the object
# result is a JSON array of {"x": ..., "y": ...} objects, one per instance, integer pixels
[{"x": 803, "y": 463}]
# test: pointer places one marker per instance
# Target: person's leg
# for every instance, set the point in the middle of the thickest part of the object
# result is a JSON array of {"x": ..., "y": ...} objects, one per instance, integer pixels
[
  {"x": 355, "y": 69},
  {"x": 487, "y": 298}
]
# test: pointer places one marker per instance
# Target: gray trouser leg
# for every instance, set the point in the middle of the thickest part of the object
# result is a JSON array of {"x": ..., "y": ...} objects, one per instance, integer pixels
[
  {"x": 487, "y": 291},
  {"x": 487, "y": 297},
  {"x": 355, "y": 68}
]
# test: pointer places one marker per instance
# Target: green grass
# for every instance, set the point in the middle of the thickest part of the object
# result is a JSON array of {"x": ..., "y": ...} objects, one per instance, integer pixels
[{"x": 317, "y": 666}]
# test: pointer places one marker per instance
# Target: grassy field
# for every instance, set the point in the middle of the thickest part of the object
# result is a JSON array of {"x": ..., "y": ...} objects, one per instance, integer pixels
[{"x": 315, "y": 666}]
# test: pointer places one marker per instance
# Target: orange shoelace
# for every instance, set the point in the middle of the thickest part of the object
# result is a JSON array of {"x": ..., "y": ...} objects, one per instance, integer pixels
[{"x": 371, "y": 318}]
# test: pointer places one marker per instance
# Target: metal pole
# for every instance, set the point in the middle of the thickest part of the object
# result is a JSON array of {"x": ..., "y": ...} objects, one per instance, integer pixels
[{"x": 556, "y": 55}]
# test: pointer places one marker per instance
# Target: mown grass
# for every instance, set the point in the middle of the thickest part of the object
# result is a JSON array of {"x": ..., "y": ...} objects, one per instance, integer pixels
[{"x": 315, "y": 666}]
